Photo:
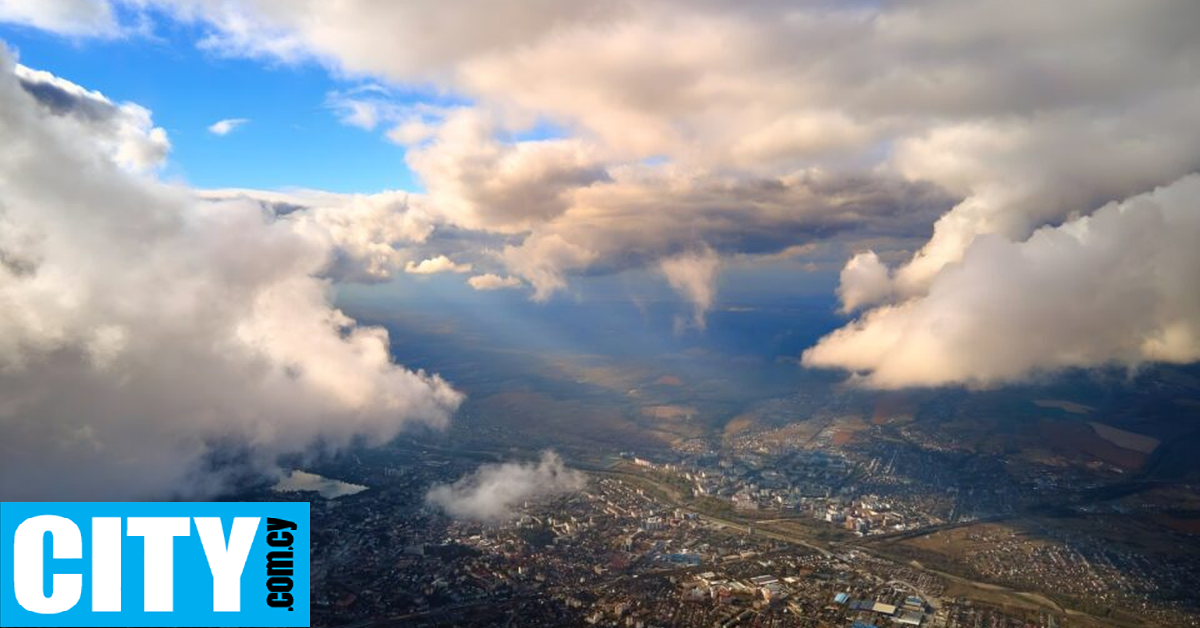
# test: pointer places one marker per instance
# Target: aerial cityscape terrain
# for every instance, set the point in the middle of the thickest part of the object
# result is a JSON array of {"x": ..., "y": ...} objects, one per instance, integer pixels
[
  {"x": 829, "y": 507},
  {"x": 613, "y": 313}
]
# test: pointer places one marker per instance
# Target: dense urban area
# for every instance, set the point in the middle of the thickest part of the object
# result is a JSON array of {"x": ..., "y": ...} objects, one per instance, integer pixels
[{"x": 826, "y": 522}]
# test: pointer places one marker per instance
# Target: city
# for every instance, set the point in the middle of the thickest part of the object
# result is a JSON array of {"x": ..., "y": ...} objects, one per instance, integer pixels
[{"x": 773, "y": 532}]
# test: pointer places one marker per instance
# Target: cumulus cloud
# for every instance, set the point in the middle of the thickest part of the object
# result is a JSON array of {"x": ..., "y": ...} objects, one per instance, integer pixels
[
  {"x": 492, "y": 281},
  {"x": 226, "y": 126},
  {"x": 1117, "y": 287},
  {"x": 693, "y": 276},
  {"x": 610, "y": 135},
  {"x": 544, "y": 260},
  {"x": 66, "y": 17},
  {"x": 1029, "y": 116},
  {"x": 191, "y": 334},
  {"x": 494, "y": 490},
  {"x": 125, "y": 131},
  {"x": 370, "y": 236},
  {"x": 864, "y": 280},
  {"x": 1017, "y": 175},
  {"x": 480, "y": 182},
  {"x": 434, "y": 265}
]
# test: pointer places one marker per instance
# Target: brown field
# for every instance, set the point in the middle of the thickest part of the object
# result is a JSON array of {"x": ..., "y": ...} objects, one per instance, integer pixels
[
  {"x": 1182, "y": 525},
  {"x": 959, "y": 543},
  {"x": 1064, "y": 405},
  {"x": 845, "y": 429},
  {"x": 1128, "y": 440},
  {"x": 535, "y": 415},
  {"x": 1081, "y": 438},
  {"x": 583, "y": 370},
  {"x": 739, "y": 424},
  {"x": 669, "y": 412},
  {"x": 893, "y": 408}
]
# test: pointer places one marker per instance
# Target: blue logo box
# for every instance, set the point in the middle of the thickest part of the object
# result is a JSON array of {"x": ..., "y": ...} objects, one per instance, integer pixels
[{"x": 154, "y": 564}]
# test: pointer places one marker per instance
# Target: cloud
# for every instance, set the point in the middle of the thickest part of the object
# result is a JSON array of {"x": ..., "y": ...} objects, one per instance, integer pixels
[
  {"x": 433, "y": 265},
  {"x": 413, "y": 130},
  {"x": 493, "y": 491},
  {"x": 599, "y": 137},
  {"x": 359, "y": 113},
  {"x": 1028, "y": 116},
  {"x": 490, "y": 281},
  {"x": 372, "y": 105},
  {"x": 645, "y": 215},
  {"x": 1018, "y": 175},
  {"x": 195, "y": 337},
  {"x": 1117, "y": 287},
  {"x": 125, "y": 131},
  {"x": 369, "y": 235},
  {"x": 864, "y": 280},
  {"x": 744, "y": 84},
  {"x": 693, "y": 276},
  {"x": 226, "y": 126},
  {"x": 480, "y": 182},
  {"x": 544, "y": 260},
  {"x": 65, "y": 17}
]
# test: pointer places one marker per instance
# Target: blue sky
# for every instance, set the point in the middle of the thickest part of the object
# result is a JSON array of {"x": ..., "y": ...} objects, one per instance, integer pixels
[{"x": 294, "y": 138}]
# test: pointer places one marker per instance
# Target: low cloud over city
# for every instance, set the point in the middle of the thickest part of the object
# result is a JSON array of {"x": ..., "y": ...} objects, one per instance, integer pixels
[{"x": 493, "y": 491}]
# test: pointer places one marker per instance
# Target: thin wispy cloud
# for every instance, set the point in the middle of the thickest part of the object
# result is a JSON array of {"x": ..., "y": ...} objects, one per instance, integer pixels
[{"x": 227, "y": 126}]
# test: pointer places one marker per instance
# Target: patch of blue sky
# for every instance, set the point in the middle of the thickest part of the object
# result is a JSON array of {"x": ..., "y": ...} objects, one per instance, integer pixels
[
  {"x": 542, "y": 129},
  {"x": 294, "y": 137}
]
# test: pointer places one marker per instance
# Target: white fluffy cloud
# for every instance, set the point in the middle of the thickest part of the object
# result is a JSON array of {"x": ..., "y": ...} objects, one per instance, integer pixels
[
  {"x": 370, "y": 235},
  {"x": 864, "y": 280},
  {"x": 434, "y": 265},
  {"x": 68, "y": 17},
  {"x": 150, "y": 340},
  {"x": 124, "y": 131},
  {"x": 1017, "y": 175},
  {"x": 226, "y": 126},
  {"x": 492, "y": 281},
  {"x": 479, "y": 182},
  {"x": 494, "y": 490},
  {"x": 1117, "y": 287},
  {"x": 544, "y": 261}
]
